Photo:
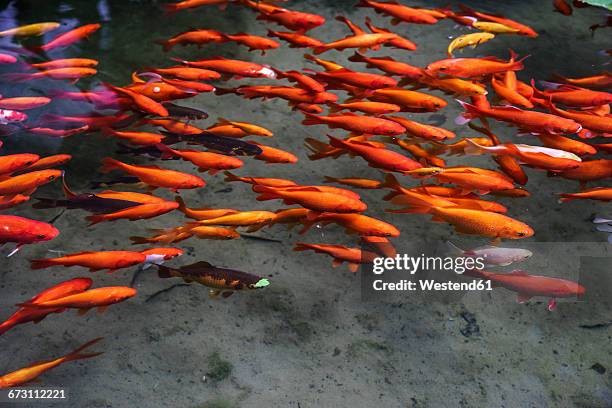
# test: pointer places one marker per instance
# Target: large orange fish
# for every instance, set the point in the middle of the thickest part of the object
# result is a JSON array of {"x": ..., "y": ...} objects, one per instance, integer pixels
[
  {"x": 254, "y": 42},
  {"x": 231, "y": 67},
  {"x": 24, "y": 231},
  {"x": 25, "y": 315},
  {"x": 591, "y": 170},
  {"x": 206, "y": 161},
  {"x": 14, "y": 162},
  {"x": 597, "y": 193},
  {"x": 197, "y": 37},
  {"x": 353, "y": 223},
  {"x": 95, "y": 261},
  {"x": 291, "y": 94},
  {"x": 473, "y": 67},
  {"x": 399, "y": 12},
  {"x": 27, "y": 183},
  {"x": 357, "y": 124},
  {"x": 154, "y": 176},
  {"x": 139, "y": 212},
  {"x": 29, "y": 374},
  {"x": 521, "y": 28}
]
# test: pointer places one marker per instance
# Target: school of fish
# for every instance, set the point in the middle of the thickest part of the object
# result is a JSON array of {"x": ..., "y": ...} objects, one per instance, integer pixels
[{"x": 568, "y": 119}]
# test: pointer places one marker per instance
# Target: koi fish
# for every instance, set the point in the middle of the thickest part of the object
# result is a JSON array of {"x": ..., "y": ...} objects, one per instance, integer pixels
[
  {"x": 26, "y": 315},
  {"x": 11, "y": 116},
  {"x": 237, "y": 219},
  {"x": 221, "y": 281},
  {"x": 352, "y": 256},
  {"x": 493, "y": 255},
  {"x": 95, "y": 261},
  {"x": 29, "y": 374},
  {"x": 512, "y": 96},
  {"x": 528, "y": 286},
  {"x": 571, "y": 95},
  {"x": 61, "y": 133},
  {"x": 154, "y": 176}
]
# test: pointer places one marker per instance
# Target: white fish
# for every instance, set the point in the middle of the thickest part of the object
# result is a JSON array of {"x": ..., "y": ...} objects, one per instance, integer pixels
[
  {"x": 523, "y": 148},
  {"x": 493, "y": 256}
]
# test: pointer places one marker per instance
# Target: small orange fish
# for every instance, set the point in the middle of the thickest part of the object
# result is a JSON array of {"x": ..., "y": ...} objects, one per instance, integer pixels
[
  {"x": 273, "y": 155},
  {"x": 422, "y": 130},
  {"x": 72, "y": 74},
  {"x": 522, "y": 29},
  {"x": 353, "y": 224},
  {"x": 372, "y": 108},
  {"x": 254, "y": 42},
  {"x": 362, "y": 80},
  {"x": 188, "y": 73},
  {"x": 29, "y": 374},
  {"x": 296, "y": 40},
  {"x": 136, "y": 138},
  {"x": 68, "y": 38},
  {"x": 597, "y": 193},
  {"x": 89, "y": 299},
  {"x": 563, "y": 7},
  {"x": 11, "y": 201},
  {"x": 357, "y": 124},
  {"x": 473, "y": 67},
  {"x": 362, "y": 41},
  {"x": 231, "y": 67},
  {"x": 389, "y": 66},
  {"x": 355, "y": 182},
  {"x": 399, "y": 12},
  {"x": 591, "y": 170},
  {"x": 191, "y": 4},
  {"x": 352, "y": 256},
  {"x": 398, "y": 42},
  {"x": 206, "y": 161},
  {"x": 203, "y": 213},
  {"x": 409, "y": 101},
  {"x": 311, "y": 198},
  {"x": 48, "y": 162},
  {"x": 139, "y": 212},
  {"x": 27, "y": 183},
  {"x": 270, "y": 182},
  {"x": 238, "y": 219},
  {"x": 95, "y": 261},
  {"x": 142, "y": 102},
  {"x": 66, "y": 63},
  {"x": 14, "y": 162},
  {"x": 196, "y": 37},
  {"x": 24, "y": 102}
]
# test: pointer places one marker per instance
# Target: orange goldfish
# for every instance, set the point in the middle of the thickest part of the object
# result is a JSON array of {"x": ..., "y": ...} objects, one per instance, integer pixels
[
  {"x": 139, "y": 212},
  {"x": 373, "y": 108},
  {"x": 27, "y": 183},
  {"x": 206, "y": 161},
  {"x": 197, "y": 37},
  {"x": 188, "y": 73},
  {"x": 389, "y": 66},
  {"x": 154, "y": 176},
  {"x": 399, "y": 12},
  {"x": 24, "y": 103},
  {"x": 589, "y": 171},
  {"x": 68, "y": 38},
  {"x": 14, "y": 162},
  {"x": 358, "y": 79},
  {"x": 48, "y": 162},
  {"x": 602, "y": 81},
  {"x": 353, "y": 224},
  {"x": 352, "y": 256},
  {"x": 191, "y": 4},
  {"x": 203, "y": 213},
  {"x": 270, "y": 182},
  {"x": 273, "y": 155},
  {"x": 357, "y": 124},
  {"x": 73, "y": 74},
  {"x": 231, "y": 67},
  {"x": 89, "y": 299},
  {"x": 24, "y": 231},
  {"x": 311, "y": 198},
  {"x": 296, "y": 40},
  {"x": 362, "y": 41},
  {"x": 66, "y": 63},
  {"x": 254, "y": 42},
  {"x": 472, "y": 67},
  {"x": 597, "y": 193},
  {"x": 409, "y": 101},
  {"x": 29, "y": 374},
  {"x": 422, "y": 130},
  {"x": 397, "y": 42},
  {"x": 521, "y": 28},
  {"x": 136, "y": 138},
  {"x": 95, "y": 261}
]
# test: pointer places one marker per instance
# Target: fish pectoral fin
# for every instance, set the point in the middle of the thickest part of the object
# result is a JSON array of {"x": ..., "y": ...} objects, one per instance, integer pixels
[
  {"x": 213, "y": 293},
  {"x": 82, "y": 312},
  {"x": 102, "y": 309},
  {"x": 353, "y": 267},
  {"x": 336, "y": 263},
  {"x": 522, "y": 297}
]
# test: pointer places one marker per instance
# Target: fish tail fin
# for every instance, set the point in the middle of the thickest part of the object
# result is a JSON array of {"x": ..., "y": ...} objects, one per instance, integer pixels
[
  {"x": 6, "y": 326},
  {"x": 334, "y": 107},
  {"x": 390, "y": 182},
  {"x": 299, "y": 246},
  {"x": 94, "y": 219},
  {"x": 15, "y": 77},
  {"x": 109, "y": 164},
  {"x": 454, "y": 249},
  {"x": 310, "y": 57},
  {"x": 363, "y": 3},
  {"x": 473, "y": 147},
  {"x": 40, "y": 263},
  {"x": 471, "y": 112},
  {"x": 320, "y": 49},
  {"x": 565, "y": 197},
  {"x": 78, "y": 355},
  {"x": 164, "y": 272},
  {"x": 311, "y": 119},
  {"x": 329, "y": 179},
  {"x": 166, "y": 44},
  {"x": 229, "y": 177},
  {"x": 165, "y": 150},
  {"x": 335, "y": 142},
  {"x": 139, "y": 240},
  {"x": 224, "y": 91}
]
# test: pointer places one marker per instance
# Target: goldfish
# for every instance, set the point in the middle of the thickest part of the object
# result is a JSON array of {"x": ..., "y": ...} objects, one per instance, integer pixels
[
  {"x": 71, "y": 73},
  {"x": 7, "y": 59},
  {"x": 237, "y": 219},
  {"x": 377, "y": 157},
  {"x": 159, "y": 91},
  {"x": 231, "y": 67},
  {"x": 399, "y": 12},
  {"x": 31, "y": 373},
  {"x": 290, "y": 217},
  {"x": 389, "y": 66},
  {"x": 154, "y": 176},
  {"x": 472, "y": 67},
  {"x": 245, "y": 127},
  {"x": 373, "y": 108},
  {"x": 296, "y": 40},
  {"x": 175, "y": 126},
  {"x": 311, "y": 198},
  {"x": 352, "y": 256},
  {"x": 597, "y": 193},
  {"x": 291, "y": 94},
  {"x": 253, "y": 42},
  {"x": 494, "y": 28},
  {"x": 526, "y": 120},
  {"x": 357, "y": 124},
  {"x": 89, "y": 299},
  {"x": 188, "y": 73},
  {"x": 23, "y": 231},
  {"x": 30, "y": 30},
  {"x": 469, "y": 178},
  {"x": 528, "y": 286},
  {"x": 567, "y": 144},
  {"x": 26, "y": 315},
  {"x": 273, "y": 155},
  {"x": 196, "y": 37},
  {"x": 493, "y": 255},
  {"x": 593, "y": 124},
  {"x": 191, "y": 4},
  {"x": 359, "y": 79},
  {"x": 24, "y": 103},
  {"x": 422, "y": 130},
  {"x": 327, "y": 65},
  {"x": 355, "y": 182},
  {"x": 68, "y": 38},
  {"x": 158, "y": 256},
  {"x": 142, "y": 102},
  {"x": 136, "y": 138},
  {"x": 448, "y": 85},
  {"x": 459, "y": 147},
  {"x": 297, "y": 21},
  {"x": 66, "y": 63},
  {"x": 589, "y": 171},
  {"x": 301, "y": 80},
  {"x": 11, "y": 201},
  {"x": 510, "y": 95},
  {"x": 181, "y": 233},
  {"x": 132, "y": 213},
  {"x": 48, "y": 162},
  {"x": 419, "y": 153},
  {"x": 206, "y": 161},
  {"x": 360, "y": 224},
  {"x": 95, "y": 261},
  {"x": 522, "y": 29},
  {"x": 264, "y": 181},
  {"x": 27, "y": 183},
  {"x": 362, "y": 41},
  {"x": 409, "y": 101},
  {"x": 538, "y": 157},
  {"x": 468, "y": 40},
  {"x": 482, "y": 223},
  {"x": 571, "y": 95},
  {"x": 601, "y": 81},
  {"x": 397, "y": 42},
  {"x": 221, "y": 281},
  {"x": 14, "y": 162}
]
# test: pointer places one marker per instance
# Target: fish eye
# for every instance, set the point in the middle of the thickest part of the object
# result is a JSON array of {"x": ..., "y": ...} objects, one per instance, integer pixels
[
  {"x": 51, "y": 178},
  {"x": 442, "y": 68},
  {"x": 521, "y": 234},
  {"x": 40, "y": 236}
]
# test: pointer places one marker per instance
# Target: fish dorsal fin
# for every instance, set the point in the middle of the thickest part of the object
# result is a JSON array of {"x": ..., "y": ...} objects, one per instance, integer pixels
[
  {"x": 508, "y": 107},
  {"x": 518, "y": 272},
  {"x": 196, "y": 266}
]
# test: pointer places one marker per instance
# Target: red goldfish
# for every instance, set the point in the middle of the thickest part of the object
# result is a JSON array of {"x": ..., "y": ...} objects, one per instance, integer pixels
[{"x": 352, "y": 256}]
